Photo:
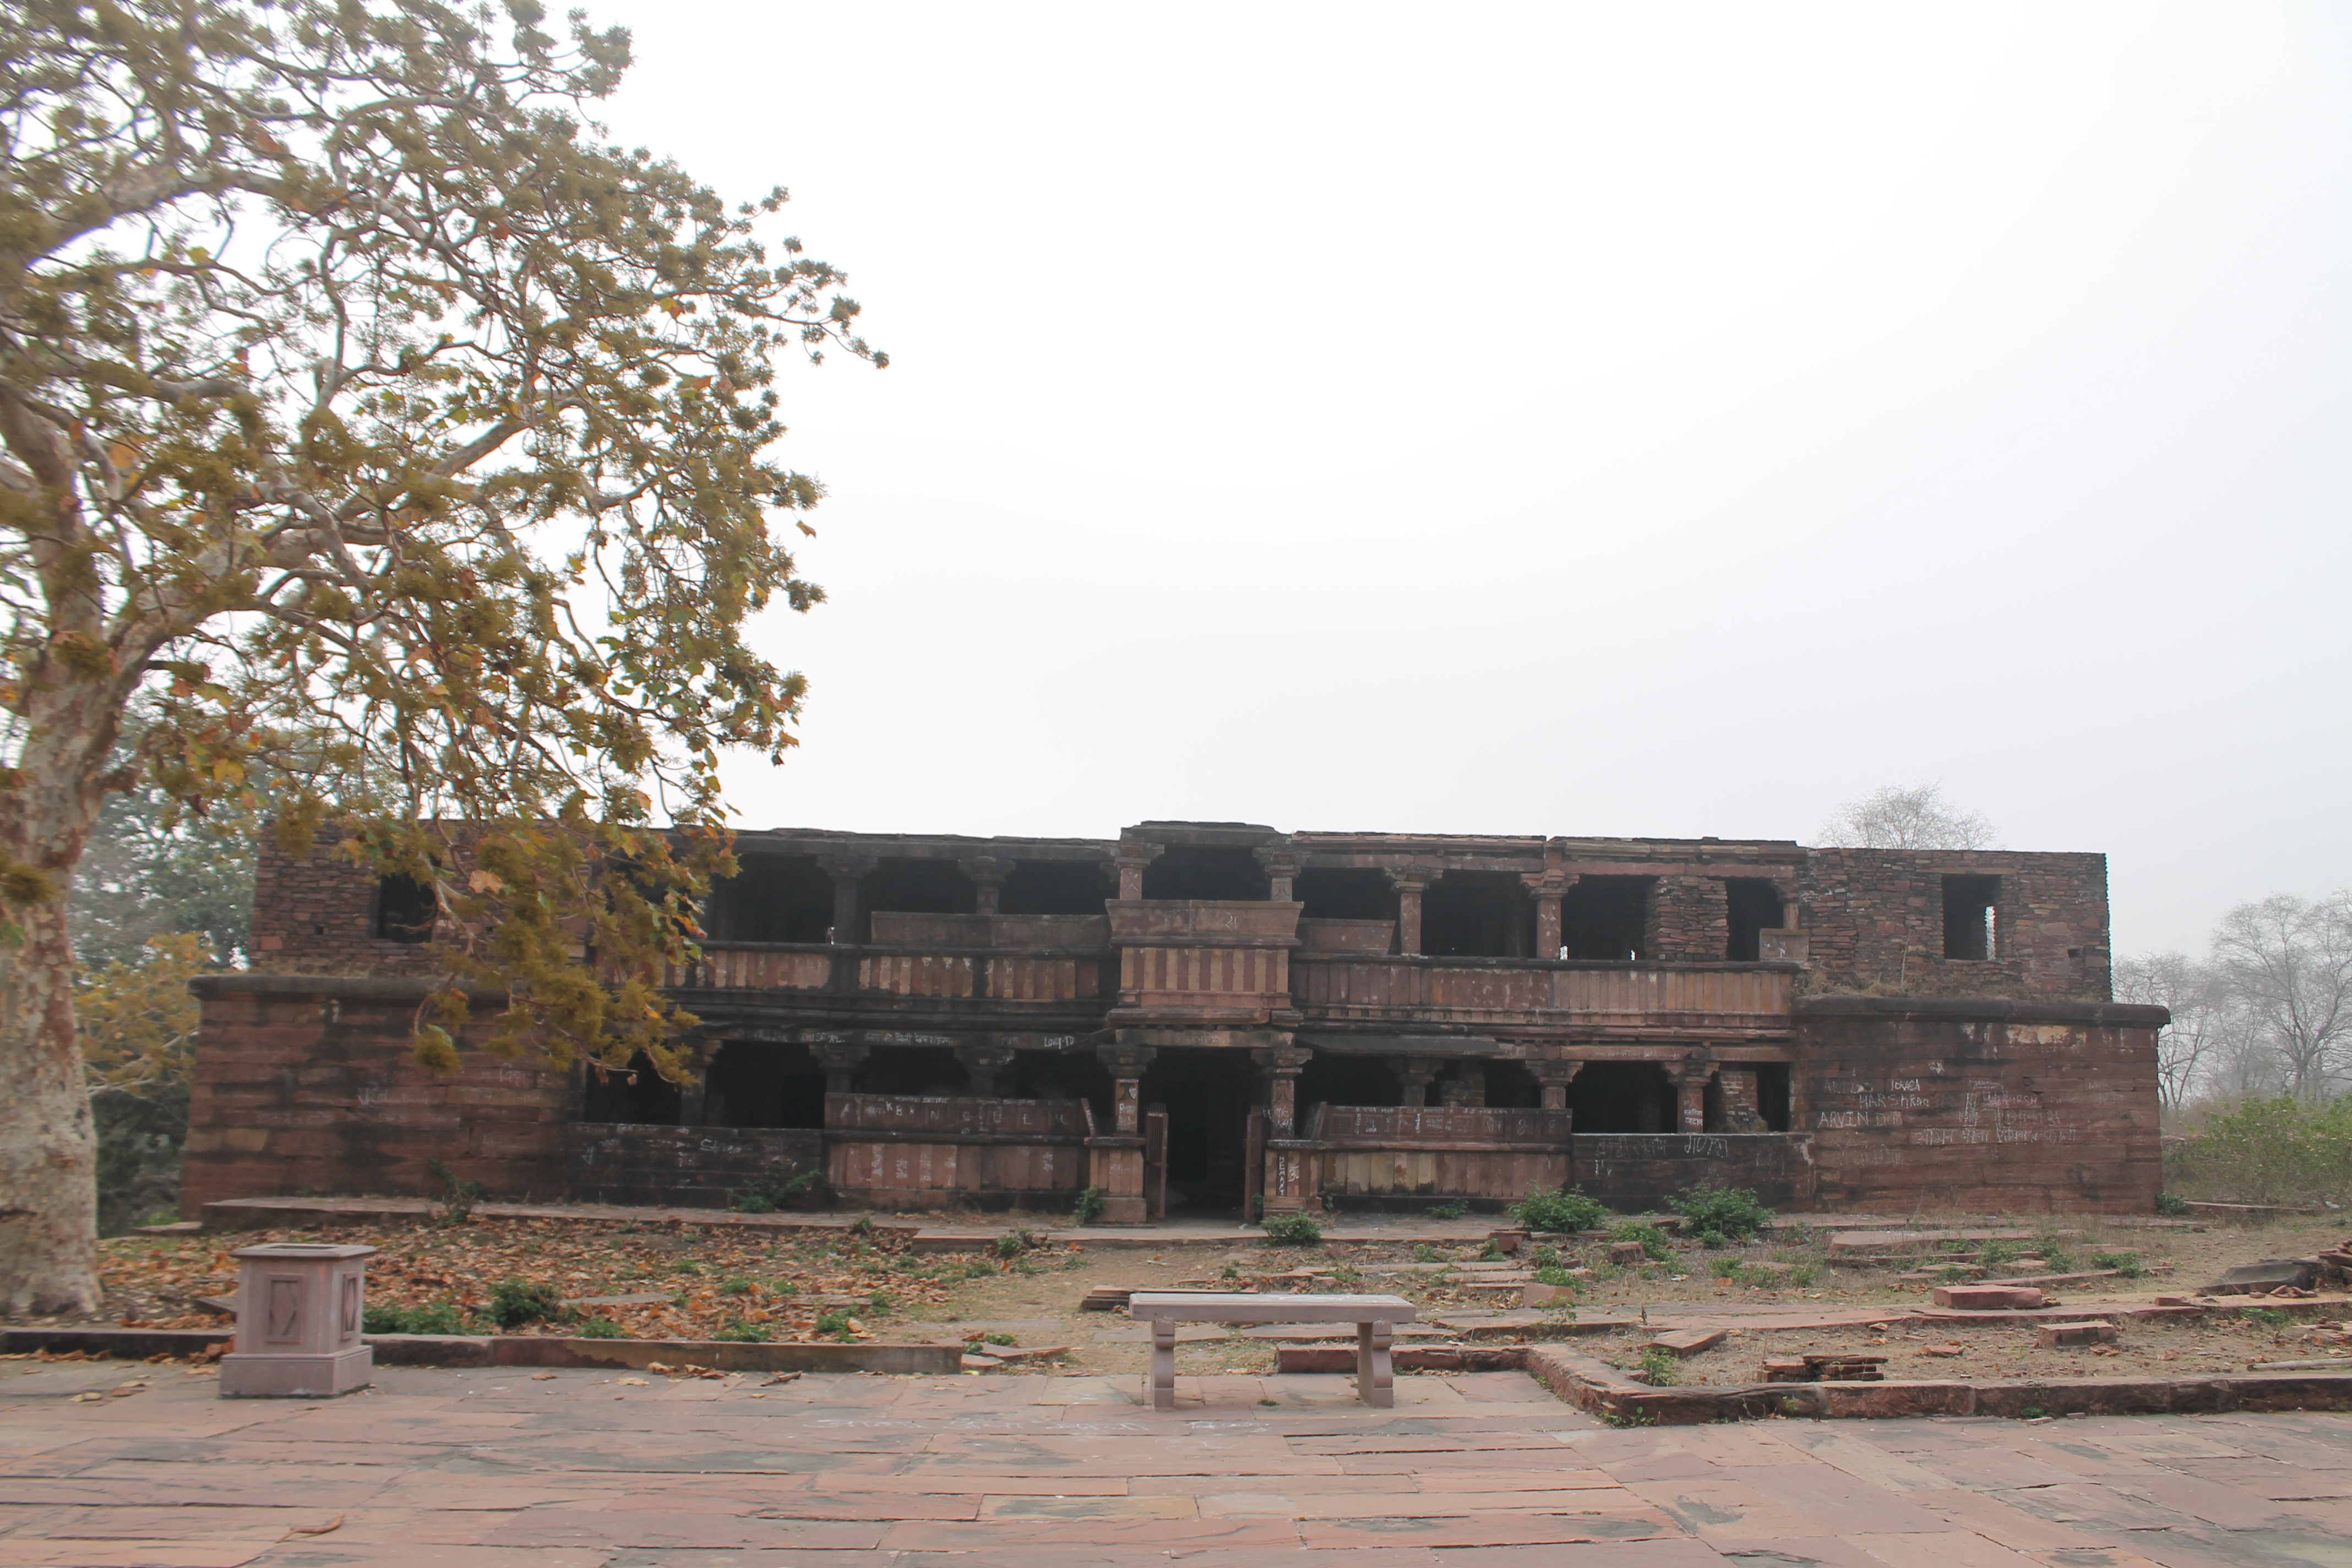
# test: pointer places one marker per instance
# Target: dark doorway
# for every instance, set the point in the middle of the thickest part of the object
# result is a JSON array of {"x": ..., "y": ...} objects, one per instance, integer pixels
[
  {"x": 1054, "y": 887},
  {"x": 775, "y": 898},
  {"x": 1349, "y": 893},
  {"x": 755, "y": 1083},
  {"x": 405, "y": 909},
  {"x": 919, "y": 888},
  {"x": 1185, "y": 872},
  {"x": 1622, "y": 1096},
  {"x": 1511, "y": 1087},
  {"x": 635, "y": 1093},
  {"x": 1332, "y": 1080},
  {"x": 1476, "y": 914},
  {"x": 1772, "y": 1095},
  {"x": 922, "y": 1070},
  {"x": 1753, "y": 906},
  {"x": 1604, "y": 918},
  {"x": 1209, "y": 1094},
  {"x": 1970, "y": 931},
  {"x": 1049, "y": 1075}
]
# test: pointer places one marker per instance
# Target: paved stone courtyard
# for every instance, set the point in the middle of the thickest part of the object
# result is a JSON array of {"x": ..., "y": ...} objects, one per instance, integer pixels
[{"x": 588, "y": 1469}]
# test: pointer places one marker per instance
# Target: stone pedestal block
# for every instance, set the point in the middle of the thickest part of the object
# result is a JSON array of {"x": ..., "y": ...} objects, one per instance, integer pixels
[
  {"x": 300, "y": 1311},
  {"x": 1116, "y": 1165}
]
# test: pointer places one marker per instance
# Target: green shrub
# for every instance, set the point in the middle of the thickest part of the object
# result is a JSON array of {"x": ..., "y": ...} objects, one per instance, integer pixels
[
  {"x": 458, "y": 1196},
  {"x": 767, "y": 1192},
  {"x": 1662, "y": 1367},
  {"x": 1014, "y": 1243},
  {"x": 514, "y": 1302},
  {"x": 1565, "y": 1210},
  {"x": 1654, "y": 1241},
  {"x": 1553, "y": 1274},
  {"x": 997, "y": 1340},
  {"x": 2126, "y": 1263},
  {"x": 2282, "y": 1151},
  {"x": 1424, "y": 1253},
  {"x": 1714, "y": 1240},
  {"x": 381, "y": 1320},
  {"x": 686, "y": 1266},
  {"x": 1805, "y": 1276},
  {"x": 833, "y": 1322},
  {"x": 1090, "y": 1205},
  {"x": 1446, "y": 1210},
  {"x": 1999, "y": 1254},
  {"x": 1291, "y": 1230},
  {"x": 737, "y": 1287},
  {"x": 2268, "y": 1317},
  {"x": 440, "y": 1318},
  {"x": 741, "y": 1333},
  {"x": 879, "y": 1302},
  {"x": 2166, "y": 1204},
  {"x": 1724, "y": 1267},
  {"x": 601, "y": 1328},
  {"x": 1731, "y": 1212},
  {"x": 1546, "y": 1256},
  {"x": 2060, "y": 1256}
]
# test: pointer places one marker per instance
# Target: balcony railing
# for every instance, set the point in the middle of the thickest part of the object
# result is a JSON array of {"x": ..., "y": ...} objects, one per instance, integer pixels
[
  {"x": 984, "y": 975},
  {"x": 1510, "y": 991}
]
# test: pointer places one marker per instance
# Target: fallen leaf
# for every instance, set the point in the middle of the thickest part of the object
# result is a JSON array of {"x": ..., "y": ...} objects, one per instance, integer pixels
[
  {"x": 637, "y": 1382},
  {"x": 333, "y": 1524}
]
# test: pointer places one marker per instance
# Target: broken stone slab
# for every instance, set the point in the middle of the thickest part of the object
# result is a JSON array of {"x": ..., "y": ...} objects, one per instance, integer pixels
[
  {"x": 1627, "y": 1254},
  {"x": 1943, "y": 1350},
  {"x": 2264, "y": 1276},
  {"x": 1687, "y": 1341},
  {"x": 1544, "y": 1295},
  {"x": 2042, "y": 1279},
  {"x": 1988, "y": 1298},
  {"x": 2060, "y": 1336},
  {"x": 1017, "y": 1353}
]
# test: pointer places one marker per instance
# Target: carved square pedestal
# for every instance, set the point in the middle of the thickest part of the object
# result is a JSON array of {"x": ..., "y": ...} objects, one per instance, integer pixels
[{"x": 300, "y": 1308}]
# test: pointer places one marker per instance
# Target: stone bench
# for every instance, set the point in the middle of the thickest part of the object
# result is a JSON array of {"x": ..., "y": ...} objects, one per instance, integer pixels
[{"x": 1375, "y": 1318}]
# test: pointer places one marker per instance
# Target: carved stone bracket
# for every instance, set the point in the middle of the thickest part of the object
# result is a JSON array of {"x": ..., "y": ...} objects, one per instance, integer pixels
[
  {"x": 1281, "y": 871},
  {"x": 987, "y": 874},
  {"x": 1553, "y": 1077}
]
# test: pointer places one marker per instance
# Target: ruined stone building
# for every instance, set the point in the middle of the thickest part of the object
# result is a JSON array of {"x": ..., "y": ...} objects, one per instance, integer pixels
[{"x": 1217, "y": 1017}]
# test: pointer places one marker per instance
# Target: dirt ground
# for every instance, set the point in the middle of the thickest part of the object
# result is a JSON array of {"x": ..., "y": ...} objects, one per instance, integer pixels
[{"x": 713, "y": 1283}]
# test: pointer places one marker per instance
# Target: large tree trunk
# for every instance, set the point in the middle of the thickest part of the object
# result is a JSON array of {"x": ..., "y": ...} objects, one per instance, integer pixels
[{"x": 49, "y": 1151}]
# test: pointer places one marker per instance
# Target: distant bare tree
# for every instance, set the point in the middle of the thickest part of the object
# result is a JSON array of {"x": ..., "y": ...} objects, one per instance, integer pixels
[
  {"x": 2190, "y": 1050},
  {"x": 2288, "y": 965},
  {"x": 1894, "y": 818}
]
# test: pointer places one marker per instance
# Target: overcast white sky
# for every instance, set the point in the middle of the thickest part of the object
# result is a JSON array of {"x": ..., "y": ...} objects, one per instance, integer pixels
[{"x": 1653, "y": 419}]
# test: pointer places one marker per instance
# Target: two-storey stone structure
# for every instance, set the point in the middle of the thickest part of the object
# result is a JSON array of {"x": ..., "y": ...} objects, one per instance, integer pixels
[{"x": 1218, "y": 1017}]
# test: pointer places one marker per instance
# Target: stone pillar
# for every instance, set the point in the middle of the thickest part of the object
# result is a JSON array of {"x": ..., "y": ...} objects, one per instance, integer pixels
[
  {"x": 300, "y": 1309},
  {"x": 1413, "y": 1076},
  {"x": 1549, "y": 888},
  {"x": 694, "y": 1094},
  {"x": 846, "y": 872},
  {"x": 1690, "y": 1084},
  {"x": 1133, "y": 855},
  {"x": 1737, "y": 1087},
  {"x": 1282, "y": 1065},
  {"x": 982, "y": 1065},
  {"x": 1409, "y": 883},
  {"x": 987, "y": 874},
  {"x": 1126, "y": 1065},
  {"x": 839, "y": 1058},
  {"x": 1281, "y": 872},
  {"x": 1553, "y": 1077}
]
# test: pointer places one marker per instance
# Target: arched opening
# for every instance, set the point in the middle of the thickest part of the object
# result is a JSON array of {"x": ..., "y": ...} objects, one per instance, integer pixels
[
  {"x": 1622, "y": 1096},
  {"x": 1054, "y": 887},
  {"x": 1752, "y": 906},
  {"x": 1346, "y": 893},
  {"x": 756, "y": 1083},
  {"x": 1476, "y": 914},
  {"x": 919, "y": 888},
  {"x": 1604, "y": 918},
  {"x": 775, "y": 898},
  {"x": 1189, "y": 871}
]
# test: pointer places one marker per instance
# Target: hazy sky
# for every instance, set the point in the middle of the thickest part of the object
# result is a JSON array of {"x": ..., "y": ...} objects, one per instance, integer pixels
[{"x": 1652, "y": 419}]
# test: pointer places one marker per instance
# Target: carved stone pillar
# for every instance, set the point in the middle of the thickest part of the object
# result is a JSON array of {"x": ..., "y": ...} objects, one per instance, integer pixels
[
  {"x": 1410, "y": 883},
  {"x": 1690, "y": 1086},
  {"x": 1413, "y": 1076},
  {"x": 839, "y": 1058},
  {"x": 987, "y": 874},
  {"x": 1549, "y": 888},
  {"x": 1282, "y": 1066},
  {"x": 982, "y": 1066},
  {"x": 1126, "y": 1065},
  {"x": 846, "y": 872},
  {"x": 1737, "y": 1086},
  {"x": 1553, "y": 1077},
  {"x": 1281, "y": 872}
]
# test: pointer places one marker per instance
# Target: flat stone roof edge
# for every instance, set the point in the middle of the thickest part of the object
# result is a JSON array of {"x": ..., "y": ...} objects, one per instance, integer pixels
[{"x": 1983, "y": 1009}]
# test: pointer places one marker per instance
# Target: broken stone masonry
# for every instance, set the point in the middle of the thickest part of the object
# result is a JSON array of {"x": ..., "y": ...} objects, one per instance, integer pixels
[{"x": 1222, "y": 1018}]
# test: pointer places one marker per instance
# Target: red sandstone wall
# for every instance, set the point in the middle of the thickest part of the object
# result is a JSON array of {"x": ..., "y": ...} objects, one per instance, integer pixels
[
  {"x": 313, "y": 1091},
  {"x": 1990, "y": 1107},
  {"x": 1875, "y": 920},
  {"x": 1688, "y": 921},
  {"x": 317, "y": 916}
]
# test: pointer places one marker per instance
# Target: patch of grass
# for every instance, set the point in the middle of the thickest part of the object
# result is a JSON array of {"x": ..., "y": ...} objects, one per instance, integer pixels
[
  {"x": 1731, "y": 1212},
  {"x": 1565, "y": 1210},
  {"x": 1663, "y": 1368},
  {"x": 1805, "y": 1276},
  {"x": 996, "y": 1338},
  {"x": 514, "y": 1302},
  {"x": 741, "y": 1333},
  {"x": 834, "y": 1322},
  {"x": 737, "y": 1287},
  {"x": 1545, "y": 1257},
  {"x": 439, "y": 1318},
  {"x": 1724, "y": 1267},
  {"x": 601, "y": 1328},
  {"x": 2126, "y": 1263},
  {"x": 1424, "y": 1253},
  {"x": 1553, "y": 1274},
  {"x": 1014, "y": 1243},
  {"x": 879, "y": 1302},
  {"x": 1090, "y": 1205},
  {"x": 1292, "y": 1230},
  {"x": 2062, "y": 1259},
  {"x": 2166, "y": 1204},
  {"x": 686, "y": 1266},
  {"x": 2000, "y": 1254},
  {"x": 1446, "y": 1211},
  {"x": 2268, "y": 1317},
  {"x": 1654, "y": 1241}
]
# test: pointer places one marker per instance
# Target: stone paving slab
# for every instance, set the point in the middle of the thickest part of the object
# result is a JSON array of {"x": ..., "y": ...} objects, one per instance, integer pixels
[{"x": 488, "y": 1468}]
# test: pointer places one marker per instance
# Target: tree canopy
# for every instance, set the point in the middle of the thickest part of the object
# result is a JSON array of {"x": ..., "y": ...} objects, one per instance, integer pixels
[
  {"x": 400, "y": 448},
  {"x": 1914, "y": 817}
]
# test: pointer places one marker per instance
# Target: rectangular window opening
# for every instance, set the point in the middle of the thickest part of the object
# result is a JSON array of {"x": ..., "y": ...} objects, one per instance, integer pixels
[
  {"x": 1752, "y": 906},
  {"x": 1971, "y": 918}
]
